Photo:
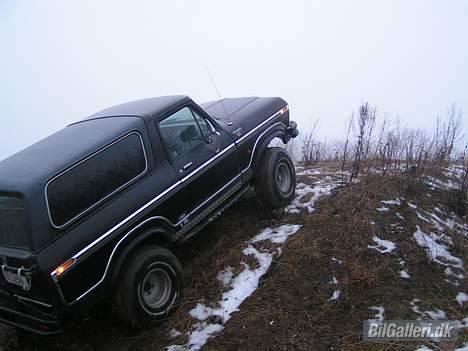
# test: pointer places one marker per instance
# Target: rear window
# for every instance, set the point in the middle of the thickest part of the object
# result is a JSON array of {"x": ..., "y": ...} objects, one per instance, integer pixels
[
  {"x": 91, "y": 181},
  {"x": 13, "y": 223}
]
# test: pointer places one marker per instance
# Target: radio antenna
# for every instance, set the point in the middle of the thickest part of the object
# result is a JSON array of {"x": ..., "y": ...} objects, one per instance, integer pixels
[{"x": 219, "y": 95}]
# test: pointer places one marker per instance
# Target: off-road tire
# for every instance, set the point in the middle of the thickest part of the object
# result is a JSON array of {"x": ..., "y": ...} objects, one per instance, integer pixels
[
  {"x": 275, "y": 179},
  {"x": 149, "y": 287}
]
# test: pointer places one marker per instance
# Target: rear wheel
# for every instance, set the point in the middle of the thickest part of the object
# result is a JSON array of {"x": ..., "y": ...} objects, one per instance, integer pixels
[
  {"x": 149, "y": 287},
  {"x": 275, "y": 181}
]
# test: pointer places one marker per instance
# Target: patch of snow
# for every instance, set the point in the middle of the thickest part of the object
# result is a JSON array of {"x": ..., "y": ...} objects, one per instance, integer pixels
[
  {"x": 415, "y": 307},
  {"x": 309, "y": 172},
  {"x": 400, "y": 216},
  {"x": 423, "y": 348},
  {"x": 334, "y": 281},
  {"x": 404, "y": 274},
  {"x": 225, "y": 276},
  {"x": 380, "y": 312},
  {"x": 383, "y": 209},
  {"x": 198, "y": 337},
  {"x": 413, "y": 206},
  {"x": 277, "y": 235},
  {"x": 321, "y": 188},
  {"x": 437, "y": 314},
  {"x": 335, "y": 296},
  {"x": 391, "y": 202},
  {"x": 461, "y": 298},
  {"x": 240, "y": 287},
  {"x": 438, "y": 252},
  {"x": 420, "y": 216},
  {"x": 201, "y": 312},
  {"x": 174, "y": 333},
  {"x": 387, "y": 245},
  {"x": 337, "y": 260}
]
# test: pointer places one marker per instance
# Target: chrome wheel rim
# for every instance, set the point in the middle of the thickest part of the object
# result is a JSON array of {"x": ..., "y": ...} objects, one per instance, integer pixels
[
  {"x": 156, "y": 288},
  {"x": 283, "y": 178}
]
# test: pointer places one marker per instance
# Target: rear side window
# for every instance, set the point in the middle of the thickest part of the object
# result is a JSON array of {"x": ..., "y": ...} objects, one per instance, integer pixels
[
  {"x": 91, "y": 181},
  {"x": 14, "y": 230}
]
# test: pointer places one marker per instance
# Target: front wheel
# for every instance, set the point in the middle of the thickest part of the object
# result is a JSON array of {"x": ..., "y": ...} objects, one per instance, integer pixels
[
  {"x": 275, "y": 180},
  {"x": 149, "y": 287}
]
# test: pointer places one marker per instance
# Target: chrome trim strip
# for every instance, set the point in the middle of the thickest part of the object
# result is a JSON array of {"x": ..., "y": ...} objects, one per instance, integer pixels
[
  {"x": 158, "y": 197},
  {"x": 256, "y": 143},
  {"x": 105, "y": 197},
  {"x": 199, "y": 168},
  {"x": 261, "y": 125},
  {"x": 137, "y": 227},
  {"x": 118, "y": 225},
  {"x": 33, "y": 301}
]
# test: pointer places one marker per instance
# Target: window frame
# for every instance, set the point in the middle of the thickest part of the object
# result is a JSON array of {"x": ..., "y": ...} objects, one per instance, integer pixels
[
  {"x": 192, "y": 111},
  {"x": 93, "y": 154}
]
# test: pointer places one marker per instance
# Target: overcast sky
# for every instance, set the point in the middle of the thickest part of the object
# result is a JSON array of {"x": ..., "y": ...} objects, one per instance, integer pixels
[{"x": 63, "y": 60}]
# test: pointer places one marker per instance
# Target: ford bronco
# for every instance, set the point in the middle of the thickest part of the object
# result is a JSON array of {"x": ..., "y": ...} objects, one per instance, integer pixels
[{"x": 93, "y": 211}]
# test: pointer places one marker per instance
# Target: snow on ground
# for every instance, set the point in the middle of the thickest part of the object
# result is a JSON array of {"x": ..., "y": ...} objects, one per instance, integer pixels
[
  {"x": 380, "y": 312},
  {"x": 392, "y": 202},
  {"x": 439, "y": 253},
  {"x": 404, "y": 274},
  {"x": 383, "y": 246},
  {"x": 308, "y": 172},
  {"x": 336, "y": 294},
  {"x": 318, "y": 190},
  {"x": 307, "y": 195},
  {"x": 334, "y": 259},
  {"x": 239, "y": 286},
  {"x": 461, "y": 298},
  {"x": 277, "y": 235},
  {"x": 423, "y": 348},
  {"x": 437, "y": 314},
  {"x": 383, "y": 209},
  {"x": 435, "y": 183}
]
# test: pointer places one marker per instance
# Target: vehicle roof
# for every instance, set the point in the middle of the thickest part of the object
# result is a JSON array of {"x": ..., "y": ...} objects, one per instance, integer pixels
[
  {"x": 32, "y": 167},
  {"x": 144, "y": 108}
]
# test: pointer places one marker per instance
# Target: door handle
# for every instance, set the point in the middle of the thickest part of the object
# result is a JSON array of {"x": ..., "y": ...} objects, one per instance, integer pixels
[{"x": 187, "y": 166}]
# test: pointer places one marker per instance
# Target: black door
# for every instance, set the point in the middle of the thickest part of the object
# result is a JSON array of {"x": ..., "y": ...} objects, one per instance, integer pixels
[{"x": 203, "y": 156}]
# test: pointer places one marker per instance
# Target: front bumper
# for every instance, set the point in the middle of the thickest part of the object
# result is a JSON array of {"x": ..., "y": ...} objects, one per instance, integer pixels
[
  {"x": 292, "y": 130},
  {"x": 23, "y": 316}
]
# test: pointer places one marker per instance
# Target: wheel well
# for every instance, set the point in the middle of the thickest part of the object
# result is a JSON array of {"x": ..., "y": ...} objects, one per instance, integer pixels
[
  {"x": 157, "y": 235},
  {"x": 263, "y": 146}
]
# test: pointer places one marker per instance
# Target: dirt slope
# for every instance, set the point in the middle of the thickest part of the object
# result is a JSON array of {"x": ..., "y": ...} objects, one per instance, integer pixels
[{"x": 338, "y": 256}]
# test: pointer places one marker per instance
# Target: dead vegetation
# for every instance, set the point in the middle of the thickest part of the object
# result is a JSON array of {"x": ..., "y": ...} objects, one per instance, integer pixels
[{"x": 293, "y": 310}]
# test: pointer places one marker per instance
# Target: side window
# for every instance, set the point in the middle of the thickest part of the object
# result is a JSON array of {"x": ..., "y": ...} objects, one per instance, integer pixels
[
  {"x": 89, "y": 182},
  {"x": 205, "y": 128},
  {"x": 183, "y": 131}
]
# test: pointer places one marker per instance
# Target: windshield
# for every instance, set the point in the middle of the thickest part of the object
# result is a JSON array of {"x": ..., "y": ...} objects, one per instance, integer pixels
[{"x": 13, "y": 222}]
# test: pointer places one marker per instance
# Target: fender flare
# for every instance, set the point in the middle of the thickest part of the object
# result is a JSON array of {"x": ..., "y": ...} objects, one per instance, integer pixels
[
  {"x": 279, "y": 130},
  {"x": 156, "y": 233}
]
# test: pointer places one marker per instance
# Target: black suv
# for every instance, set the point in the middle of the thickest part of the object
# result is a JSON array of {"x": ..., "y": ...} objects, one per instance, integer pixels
[{"x": 93, "y": 210}]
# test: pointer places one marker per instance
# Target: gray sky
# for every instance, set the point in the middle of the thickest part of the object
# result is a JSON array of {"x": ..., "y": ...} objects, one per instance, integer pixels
[{"x": 63, "y": 60}]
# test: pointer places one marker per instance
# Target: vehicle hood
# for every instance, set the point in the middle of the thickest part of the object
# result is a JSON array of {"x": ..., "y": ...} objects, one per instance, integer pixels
[{"x": 244, "y": 112}]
